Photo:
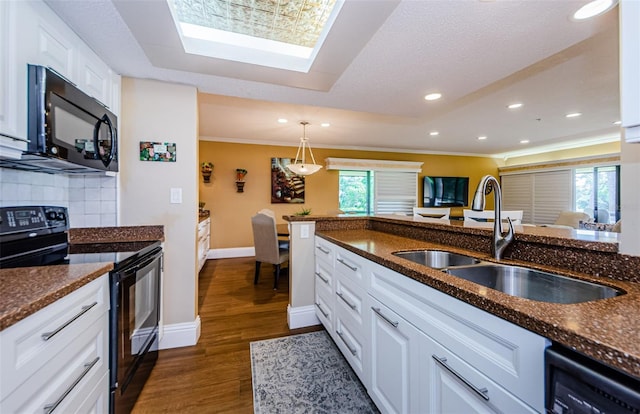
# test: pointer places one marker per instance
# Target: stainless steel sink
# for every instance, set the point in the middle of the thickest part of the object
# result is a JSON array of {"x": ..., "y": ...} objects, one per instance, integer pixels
[
  {"x": 437, "y": 259},
  {"x": 533, "y": 284}
]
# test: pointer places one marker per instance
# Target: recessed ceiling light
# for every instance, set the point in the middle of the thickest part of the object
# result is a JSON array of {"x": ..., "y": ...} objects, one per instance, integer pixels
[
  {"x": 482, "y": 137},
  {"x": 524, "y": 141},
  {"x": 515, "y": 105},
  {"x": 617, "y": 123},
  {"x": 282, "y": 121},
  {"x": 573, "y": 115},
  {"x": 325, "y": 124},
  {"x": 434, "y": 133},
  {"x": 433, "y": 96},
  {"x": 594, "y": 8}
]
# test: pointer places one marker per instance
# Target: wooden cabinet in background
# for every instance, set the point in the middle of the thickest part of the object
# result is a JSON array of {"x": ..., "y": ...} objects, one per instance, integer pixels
[{"x": 204, "y": 239}]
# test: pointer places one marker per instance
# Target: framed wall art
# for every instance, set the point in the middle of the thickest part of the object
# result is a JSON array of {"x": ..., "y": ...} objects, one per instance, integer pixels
[
  {"x": 158, "y": 151},
  {"x": 286, "y": 187}
]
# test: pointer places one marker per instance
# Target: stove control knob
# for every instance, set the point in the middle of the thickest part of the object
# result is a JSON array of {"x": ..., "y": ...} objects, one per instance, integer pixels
[{"x": 51, "y": 215}]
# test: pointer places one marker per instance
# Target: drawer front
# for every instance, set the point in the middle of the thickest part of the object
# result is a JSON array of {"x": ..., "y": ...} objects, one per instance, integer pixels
[
  {"x": 325, "y": 312},
  {"x": 67, "y": 378},
  {"x": 350, "y": 265},
  {"x": 324, "y": 278},
  {"x": 350, "y": 301},
  {"x": 508, "y": 354},
  {"x": 455, "y": 386},
  {"x": 325, "y": 251},
  {"x": 24, "y": 347},
  {"x": 351, "y": 344}
]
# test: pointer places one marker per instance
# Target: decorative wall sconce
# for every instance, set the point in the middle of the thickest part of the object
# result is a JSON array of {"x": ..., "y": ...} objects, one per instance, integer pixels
[
  {"x": 240, "y": 173},
  {"x": 206, "y": 168}
]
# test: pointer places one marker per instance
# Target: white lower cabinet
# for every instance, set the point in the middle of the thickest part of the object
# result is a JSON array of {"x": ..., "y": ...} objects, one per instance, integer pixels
[
  {"x": 456, "y": 387},
  {"x": 56, "y": 360},
  {"x": 395, "y": 362},
  {"x": 418, "y": 350},
  {"x": 204, "y": 239}
]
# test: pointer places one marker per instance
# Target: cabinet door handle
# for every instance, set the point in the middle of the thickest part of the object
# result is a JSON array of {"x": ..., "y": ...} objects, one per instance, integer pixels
[
  {"x": 326, "y": 315},
  {"x": 349, "y": 304},
  {"x": 87, "y": 367},
  {"x": 442, "y": 361},
  {"x": 348, "y": 265},
  {"x": 386, "y": 319},
  {"x": 324, "y": 279},
  {"x": 48, "y": 335},
  {"x": 14, "y": 138},
  {"x": 352, "y": 350},
  {"x": 322, "y": 249}
]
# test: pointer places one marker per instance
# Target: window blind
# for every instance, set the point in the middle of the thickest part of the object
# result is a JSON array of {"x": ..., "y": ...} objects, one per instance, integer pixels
[
  {"x": 542, "y": 195},
  {"x": 395, "y": 192}
]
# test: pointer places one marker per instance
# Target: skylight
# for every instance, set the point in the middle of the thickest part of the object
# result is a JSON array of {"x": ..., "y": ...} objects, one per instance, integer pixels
[{"x": 284, "y": 34}]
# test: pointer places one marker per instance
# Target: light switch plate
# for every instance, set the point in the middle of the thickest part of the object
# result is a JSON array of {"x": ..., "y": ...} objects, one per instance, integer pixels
[
  {"x": 176, "y": 196},
  {"x": 304, "y": 231}
]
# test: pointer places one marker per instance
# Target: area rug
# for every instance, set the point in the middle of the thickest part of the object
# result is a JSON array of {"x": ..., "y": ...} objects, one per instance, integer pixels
[{"x": 305, "y": 374}]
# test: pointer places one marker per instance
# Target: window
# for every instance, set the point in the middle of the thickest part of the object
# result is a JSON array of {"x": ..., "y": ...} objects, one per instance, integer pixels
[
  {"x": 356, "y": 192},
  {"x": 390, "y": 192},
  {"x": 597, "y": 192}
]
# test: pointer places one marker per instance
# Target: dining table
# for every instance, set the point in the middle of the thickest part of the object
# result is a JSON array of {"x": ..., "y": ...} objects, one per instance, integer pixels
[{"x": 282, "y": 230}]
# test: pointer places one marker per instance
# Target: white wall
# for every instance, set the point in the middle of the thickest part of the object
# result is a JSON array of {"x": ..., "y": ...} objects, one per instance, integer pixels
[{"x": 162, "y": 112}]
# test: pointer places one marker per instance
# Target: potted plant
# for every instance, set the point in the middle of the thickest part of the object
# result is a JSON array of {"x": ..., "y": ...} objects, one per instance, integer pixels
[
  {"x": 303, "y": 212},
  {"x": 240, "y": 173},
  {"x": 206, "y": 168}
]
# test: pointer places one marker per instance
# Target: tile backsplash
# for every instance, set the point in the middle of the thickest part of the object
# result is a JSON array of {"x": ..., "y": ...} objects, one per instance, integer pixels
[{"x": 92, "y": 200}]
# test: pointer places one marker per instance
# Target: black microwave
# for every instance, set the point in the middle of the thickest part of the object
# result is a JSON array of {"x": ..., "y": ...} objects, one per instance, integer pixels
[{"x": 68, "y": 130}]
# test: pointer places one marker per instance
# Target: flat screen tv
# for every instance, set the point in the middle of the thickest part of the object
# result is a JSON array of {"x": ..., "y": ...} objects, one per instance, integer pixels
[{"x": 445, "y": 191}]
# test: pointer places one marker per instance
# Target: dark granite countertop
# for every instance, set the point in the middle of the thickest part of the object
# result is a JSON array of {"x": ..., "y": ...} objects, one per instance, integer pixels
[
  {"x": 607, "y": 330},
  {"x": 26, "y": 290},
  {"x": 92, "y": 235}
]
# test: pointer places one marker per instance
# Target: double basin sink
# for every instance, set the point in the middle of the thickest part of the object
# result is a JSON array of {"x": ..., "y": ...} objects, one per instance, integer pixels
[{"x": 513, "y": 280}]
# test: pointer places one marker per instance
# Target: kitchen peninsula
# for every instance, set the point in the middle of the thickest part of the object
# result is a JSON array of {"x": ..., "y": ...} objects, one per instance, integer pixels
[{"x": 600, "y": 329}]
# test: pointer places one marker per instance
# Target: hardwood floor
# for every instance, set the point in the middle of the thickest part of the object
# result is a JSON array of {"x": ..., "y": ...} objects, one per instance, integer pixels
[{"x": 214, "y": 376}]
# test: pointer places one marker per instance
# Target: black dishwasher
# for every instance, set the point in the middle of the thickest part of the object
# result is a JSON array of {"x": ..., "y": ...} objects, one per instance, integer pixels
[{"x": 576, "y": 384}]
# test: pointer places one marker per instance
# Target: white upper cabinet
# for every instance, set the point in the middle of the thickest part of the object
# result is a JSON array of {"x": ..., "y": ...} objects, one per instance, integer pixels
[
  {"x": 31, "y": 33},
  {"x": 630, "y": 69}
]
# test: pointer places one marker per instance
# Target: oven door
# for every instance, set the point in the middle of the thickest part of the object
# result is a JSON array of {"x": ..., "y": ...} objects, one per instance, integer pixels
[{"x": 134, "y": 347}]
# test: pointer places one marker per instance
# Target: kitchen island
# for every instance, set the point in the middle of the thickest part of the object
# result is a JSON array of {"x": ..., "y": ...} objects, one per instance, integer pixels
[{"x": 600, "y": 329}]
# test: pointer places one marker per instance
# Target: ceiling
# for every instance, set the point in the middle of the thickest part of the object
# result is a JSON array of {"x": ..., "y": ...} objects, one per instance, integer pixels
[{"x": 377, "y": 63}]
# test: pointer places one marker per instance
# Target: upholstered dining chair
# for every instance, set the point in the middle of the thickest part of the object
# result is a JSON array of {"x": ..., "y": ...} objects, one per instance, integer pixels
[
  {"x": 283, "y": 241},
  {"x": 268, "y": 250}
]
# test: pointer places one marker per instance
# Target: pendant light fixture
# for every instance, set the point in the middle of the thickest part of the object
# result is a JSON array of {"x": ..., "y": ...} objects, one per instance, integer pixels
[{"x": 300, "y": 166}]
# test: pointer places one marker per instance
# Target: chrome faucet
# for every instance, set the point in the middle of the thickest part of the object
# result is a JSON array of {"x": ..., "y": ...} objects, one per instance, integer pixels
[{"x": 500, "y": 241}]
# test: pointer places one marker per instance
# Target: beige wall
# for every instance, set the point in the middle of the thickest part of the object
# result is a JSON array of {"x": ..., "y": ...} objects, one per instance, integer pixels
[
  {"x": 231, "y": 211},
  {"x": 554, "y": 156},
  {"x": 163, "y": 112}
]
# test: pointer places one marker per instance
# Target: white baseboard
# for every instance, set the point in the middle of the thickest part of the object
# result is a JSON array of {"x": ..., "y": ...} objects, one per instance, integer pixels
[
  {"x": 178, "y": 335},
  {"x": 302, "y": 316},
  {"x": 231, "y": 252}
]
